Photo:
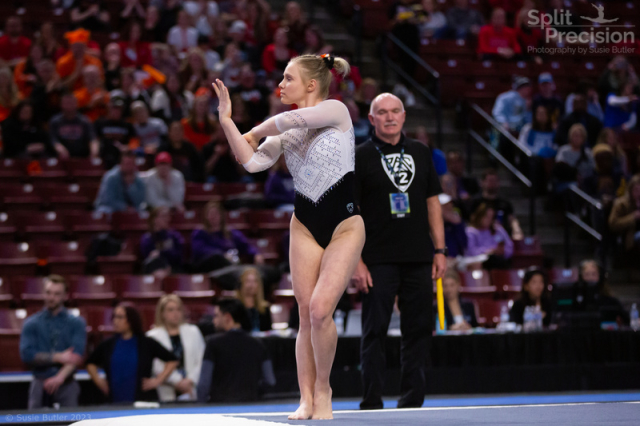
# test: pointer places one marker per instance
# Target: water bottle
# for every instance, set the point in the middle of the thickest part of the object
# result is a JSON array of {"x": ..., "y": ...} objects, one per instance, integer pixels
[
  {"x": 504, "y": 315},
  {"x": 339, "y": 320},
  {"x": 528, "y": 319},
  {"x": 635, "y": 321},
  {"x": 537, "y": 314}
]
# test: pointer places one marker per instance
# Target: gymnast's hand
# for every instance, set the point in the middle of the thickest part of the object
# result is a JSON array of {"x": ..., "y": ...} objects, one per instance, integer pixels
[{"x": 224, "y": 108}]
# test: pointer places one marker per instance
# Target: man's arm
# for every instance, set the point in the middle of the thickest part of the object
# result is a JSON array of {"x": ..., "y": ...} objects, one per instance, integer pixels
[
  {"x": 436, "y": 224},
  {"x": 204, "y": 384}
]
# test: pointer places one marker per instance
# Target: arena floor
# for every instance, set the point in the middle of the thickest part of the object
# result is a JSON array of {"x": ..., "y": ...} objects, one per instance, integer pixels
[{"x": 590, "y": 409}]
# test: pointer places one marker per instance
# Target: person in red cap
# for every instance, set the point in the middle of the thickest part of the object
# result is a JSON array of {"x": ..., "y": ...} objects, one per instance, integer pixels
[
  {"x": 165, "y": 185},
  {"x": 69, "y": 66}
]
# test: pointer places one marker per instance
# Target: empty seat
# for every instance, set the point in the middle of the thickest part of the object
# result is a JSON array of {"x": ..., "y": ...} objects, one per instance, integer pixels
[
  {"x": 6, "y": 296},
  {"x": 12, "y": 320},
  {"x": 477, "y": 285},
  {"x": 279, "y": 316},
  {"x": 527, "y": 252},
  {"x": 85, "y": 169},
  {"x": 17, "y": 259},
  {"x": 186, "y": 222},
  {"x": 489, "y": 311},
  {"x": 198, "y": 194},
  {"x": 67, "y": 196},
  {"x": 239, "y": 219},
  {"x": 191, "y": 288},
  {"x": 507, "y": 280},
  {"x": 12, "y": 171},
  {"x": 63, "y": 257},
  {"x": 271, "y": 222},
  {"x": 29, "y": 290},
  {"x": 284, "y": 292},
  {"x": 50, "y": 169},
  {"x": 40, "y": 225},
  {"x": 131, "y": 224},
  {"x": 237, "y": 189},
  {"x": 122, "y": 263},
  {"x": 269, "y": 248},
  {"x": 83, "y": 223},
  {"x": 8, "y": 227},
  {"x": 92, "y": 290},
  {"x": 139, "y": 288},
  {"x": 19, "y": 197}
]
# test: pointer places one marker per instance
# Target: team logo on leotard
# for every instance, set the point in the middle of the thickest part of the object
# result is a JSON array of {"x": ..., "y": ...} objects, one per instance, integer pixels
[
  {"x": 350, "y": 207},
  {"x": 405, "y": 171}
]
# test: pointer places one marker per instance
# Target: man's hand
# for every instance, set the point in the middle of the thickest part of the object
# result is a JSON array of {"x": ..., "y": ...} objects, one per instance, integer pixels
[
  {"x": 63, "y": 153},
  {"x": 362, "y": 277},
  {"x": 150, "y": 383},
  {"x": 66, "y": 357},
  {"x": 185, "y": 386},
  {"x": 52, "y": 384},
  {"x": 439, "y": 266}
]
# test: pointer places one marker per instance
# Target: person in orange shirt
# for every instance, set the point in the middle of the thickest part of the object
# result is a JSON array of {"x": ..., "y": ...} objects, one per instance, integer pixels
[
  {"x": 92, "y": 98},
  {"x": 25, "y": 73},
  {"x": 200, "y": 127},
  {"x": 69, "y": 66},
  {"x": 8, "y": 93}
]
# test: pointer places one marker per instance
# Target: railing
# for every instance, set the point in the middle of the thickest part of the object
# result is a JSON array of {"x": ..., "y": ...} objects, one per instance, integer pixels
[
  {"x": 432, "y": 98},
  {"x": 529, "y": 182},
  {"x": 588, "y": 214}
]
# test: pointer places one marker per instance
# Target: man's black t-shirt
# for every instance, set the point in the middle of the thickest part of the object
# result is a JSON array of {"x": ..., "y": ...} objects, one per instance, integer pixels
[{"x": 389, "y": 239}]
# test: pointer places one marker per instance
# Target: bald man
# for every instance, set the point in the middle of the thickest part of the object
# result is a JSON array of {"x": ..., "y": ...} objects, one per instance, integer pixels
[{"x": 398, "y": 192}]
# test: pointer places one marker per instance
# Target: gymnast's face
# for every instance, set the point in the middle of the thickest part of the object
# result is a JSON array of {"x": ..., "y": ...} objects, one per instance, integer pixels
[{"x": 293, "y": 86}]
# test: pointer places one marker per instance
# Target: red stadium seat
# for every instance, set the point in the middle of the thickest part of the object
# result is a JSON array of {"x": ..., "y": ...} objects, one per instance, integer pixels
[
  {"x": 19, "y": 197},
  {"x": 122, "y": 263},
  {"x": 271, "y": 222},
  {"x": 527, "y": 252},
  {"x": 131, "y": 224},
  {"x": 51, "y": 170},
  {"x": 11, "y": 321},
  {"x": 191, "y": 288},
  {"x": 63, "y": 257},
  {"x": 507, "y": 281},
  {"x": 279, "y": 316},
  {"x": 489, "y": 311},
  {"x": 67, "y": 196},
  {"x": 563, "y": 275},
  {"x": 12, "y": 171},
  {"x": 477, "y": 285},
  {"x": 241, "y": 190},
  {"x": 83, "y": 223},
  {"x": 198, "y": 194},
  {"x": 284, "y": 292},
  {"x": 8, "y": 228},
  {"x": 17, "y": 259},
  {"x": 269, "y": 248},
  {"x": 40, "y": 225},
  {"x": 85, "y": 169},
  {"x": 239, "y": 219},
  {"x": 92, "y": 290},
  {"x": 29, "y": 290},
  {"x": 186, "y": 222},
  {"x": 6, "y": 296},
  {"x": 139, "y": 288}
]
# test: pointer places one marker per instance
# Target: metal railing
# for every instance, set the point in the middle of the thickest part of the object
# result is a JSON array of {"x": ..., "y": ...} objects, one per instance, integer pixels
[
  {"x": 588, "y": 214},
  {"x": 387, "y": 63},
  {"x": 529, "y": 182}
]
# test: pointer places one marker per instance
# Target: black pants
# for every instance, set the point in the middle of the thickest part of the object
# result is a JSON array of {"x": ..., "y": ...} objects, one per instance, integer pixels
[{"x": 412, "y": 283}]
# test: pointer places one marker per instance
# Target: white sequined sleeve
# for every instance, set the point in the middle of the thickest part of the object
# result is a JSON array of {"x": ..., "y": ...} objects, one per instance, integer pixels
[
  {"x": 329, "y": 113},
  {"x": 266, "y": 155}
]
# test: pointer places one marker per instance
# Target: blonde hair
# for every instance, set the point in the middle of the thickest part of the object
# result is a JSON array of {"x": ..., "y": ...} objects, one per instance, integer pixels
[
  {"x": 162, "y": 303},
  {"x": 258, "y": 299},
  {"x": 315, "y": 68},
  {"x": 578, "y": 128}
]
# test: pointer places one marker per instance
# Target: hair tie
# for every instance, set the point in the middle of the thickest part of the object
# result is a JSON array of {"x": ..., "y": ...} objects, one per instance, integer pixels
[{"x": 328, "y": 60}]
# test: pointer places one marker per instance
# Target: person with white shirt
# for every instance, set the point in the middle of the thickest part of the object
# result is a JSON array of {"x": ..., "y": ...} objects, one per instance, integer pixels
[
  {"x": 165, "y": 185},
  {"x": 202, "y": 12},
  {"x": 185, "y": 341},
  {"x": 183, "y": 36}
]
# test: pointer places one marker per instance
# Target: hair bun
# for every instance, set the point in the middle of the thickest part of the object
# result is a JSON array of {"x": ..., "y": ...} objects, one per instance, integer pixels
[{"x": 328, "y": 60}]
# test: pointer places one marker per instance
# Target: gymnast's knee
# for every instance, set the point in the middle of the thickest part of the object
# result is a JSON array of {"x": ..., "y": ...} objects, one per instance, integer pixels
[{"x": 320, "y": 314}]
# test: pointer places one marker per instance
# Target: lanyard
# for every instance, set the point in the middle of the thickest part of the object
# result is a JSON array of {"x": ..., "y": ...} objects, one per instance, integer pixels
[{"x": 390, "y": 166}]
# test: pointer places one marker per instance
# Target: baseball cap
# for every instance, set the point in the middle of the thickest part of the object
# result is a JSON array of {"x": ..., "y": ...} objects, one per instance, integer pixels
[
  {"x": 164, "y": 157},
  {"x": 518, "y": 82},
  {"x": 116, "y": 101},
  {"x": 545, "y": 77}
]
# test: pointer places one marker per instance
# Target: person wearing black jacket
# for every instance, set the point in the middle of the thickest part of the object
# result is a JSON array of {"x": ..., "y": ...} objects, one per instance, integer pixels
[
  {"x": 22, "y": 138},
  {"x": 579, "y": 115},
  {"x": 127, "y": 360},
  {"x": 534, "y": 293},
  {"x": 185, "y": 156}
]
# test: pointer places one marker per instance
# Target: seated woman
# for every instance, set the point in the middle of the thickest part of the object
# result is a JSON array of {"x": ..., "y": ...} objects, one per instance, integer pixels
[
  {"x": 22, "y": 137},
  {"x": 217, "y": 246},
  {"x": 251, "y": 294},
  {"x": 620, "y": 113},
  {"x": 574, "y": 161},
  {"x": 592, "y": 292},
  {"x": 459, "y": 314},
  {"x": 185, "y": 342},
  {"x": 486, "y": 236},
  {"x": 538, "y": 136},
  {"x": 162, "y": 249},
  {"x": 534, "y": 293},
  {"x": 126, "y": 359}
]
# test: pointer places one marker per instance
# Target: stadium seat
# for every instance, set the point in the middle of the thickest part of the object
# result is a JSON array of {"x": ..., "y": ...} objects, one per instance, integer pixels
[
  {"x": 270, "y": 222},
  {"x": 50, "y": 170},
  {"x": 527, "y": 252},
  {"x": 67, "y": 196},
  {"x": 8, "y": 228},
  {"x": 191, "y": 288},
  {"x": 6, "y": 295},
  {"x": 29, "y": 290},
  {"x": 130, "y": 224},
  {"x": 269, "y": 248},
  {"x": 84, "y": 223},
  {"x": 39, "y": 226},
  {"x": 12, "y": 171},
  {"x": 122, "y": 263},
  {"x": 198, "y": 194},
  {"x": 284, "y": 292},
  {"x": 85, "y": 170},
  {"x": 563, "y": 275},
  {"x": 17, "y": 259},
  {"x": 186, "y": 222},
  {"x": 507, "y": 282},
  {"x": 477, "y": 285},
  {"x": 237, "y": 189},
  {"x": 19, "y": 197},
  {"x": 92, "y": 290},
  {"x": 489, "y": 311},
  {"x": 139, "y": 288},
  {"x": 11, "y": 321},
  {"x": 239, "y": 220},
  {"x": 63, "y": 257},
  {"x": 279, "y": 316}
]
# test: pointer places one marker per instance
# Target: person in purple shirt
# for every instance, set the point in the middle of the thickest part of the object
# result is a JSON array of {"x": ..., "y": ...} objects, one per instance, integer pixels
[
  {"x": 486, "y": 236},
  {"x": 278, "y": 190},
  {"x": 162, "y": 249},
  {"x": 217, "y": 246}
]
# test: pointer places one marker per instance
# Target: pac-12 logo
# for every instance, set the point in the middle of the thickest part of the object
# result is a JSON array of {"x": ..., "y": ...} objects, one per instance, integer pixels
[
  {"x": 350, "y": 207},
  {"x": 405, "y": 171}
]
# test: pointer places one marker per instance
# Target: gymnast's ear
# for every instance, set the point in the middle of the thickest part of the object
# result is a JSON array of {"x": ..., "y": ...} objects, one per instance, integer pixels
[{"x": 312, "y": 85}]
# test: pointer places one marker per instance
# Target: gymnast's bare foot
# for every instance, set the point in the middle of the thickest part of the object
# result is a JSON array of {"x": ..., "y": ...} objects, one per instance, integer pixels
[
  {"x": 322, "y": 409},
  {"x": 303, "y": 412}
]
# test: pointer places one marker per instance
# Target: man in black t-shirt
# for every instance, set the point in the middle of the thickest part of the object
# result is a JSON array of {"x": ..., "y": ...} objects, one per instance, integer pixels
[
  {"x": 398, "y": 196},
  {"x": 113, "y": 132},
  {"x": 235, "y": 365}
]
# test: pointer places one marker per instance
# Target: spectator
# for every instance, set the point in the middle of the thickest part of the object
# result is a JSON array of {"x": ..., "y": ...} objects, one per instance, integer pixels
[
  {"x": 121, "y": 187},
  {"x": 153, "y": 32},
  {"x": 135, "y": 53},
  {"x": 592, "y": 125},
  {"x": 467, "y": 186},
  {"x": 487, "y": 237},
  {"x": 112, "y": 66},
  {"x": 431, "y": 21},
  {"x": 534, "y": 293},
  {"x": 295, "y": 24},
  {"x": 71, "y": 132},
  {"x": 92, "y": 97},
  {"x": 592, "y": 293},
  {"x": 13, "y": 45},
  {"x": 183, "y": 36},
  {"x": 232, "y": 64},
  {"x": 114, "y": 133},
  {"x": 361, "y": 126},
  {"x": 455, "y": 236},
  {"x": 169, "y": 15},
  {"x": 278, "y": 190},
  {"x": 625, "y": 219},
  {"x": 193, "y": 70},
  {"x": 539, "y": 135},
  {"x": 547, "y": 98},
  {"x": 185, "y": 156},
  {"x": 587, "y": 89},
  {"x": 22, "y": 137},
  {"x": 25, "y": 74},
  {"x": 127, "y": 380},
  {"x": 450, "y": 187},
  {"x": 462, "y": 21},
  {"x": 214, "y": 246},
  {"x": 235, "y": 365},
  {"x": 618, "y": 73},
  {"x": 203, "y": 12},
  {"x": 529, "y": 37},
  {"x": 459, "y": 314},
  {"x": 151, "y": 131},
  {"x": 437, "y": 155},
  {"x": 91, "y": 15},
  {"x": 219, "y": 165},
  {"x": 130, "y": 90},
  {"x": 162, "y": 248},
  {"x": 276, "y": 55},
  {"x": 165, "y": 185},
  {"x": 620, "y": 112},
  {"x": 314, "y": 42},
  {"x": 509, "y": 6},
  {"x": 48, "y": 40},
  {"x": 70, "y": 65},
  {"x": 238, "y": 35},
  {"x": 512, "y": 108},
  {"x": 365, "y": 95},
  {"x": 620, "y": 163},
  {"x": 403, "y": 22},
  {"x": 133, "y": 8},
  {"x": 185, "y": 342},
  {"x": 254, "y": 95},
  {"x": 496, "y": 40},
  {"x": 605, "y": 184},
  {"x": 502, "y": 207},
  {"x": 211, "y": 57},
  {"x": 200, "y": 127},
  {"x": 46, "y": 93},
  {"x": 170, "y": 101},
  {"x": 52, "y": 343},
  {"x": 8, "y": 93},
  {"x": 251, "y": 294},
  {"x": 574, "y": 161}
]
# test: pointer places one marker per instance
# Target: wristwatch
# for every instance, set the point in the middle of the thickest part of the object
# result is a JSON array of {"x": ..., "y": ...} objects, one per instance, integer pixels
[{"x": 444, "y": 251}]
